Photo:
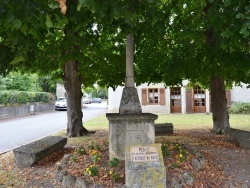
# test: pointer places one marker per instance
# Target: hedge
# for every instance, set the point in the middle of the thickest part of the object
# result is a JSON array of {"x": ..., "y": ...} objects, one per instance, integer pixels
[
  {"x": 240, "y": 108},
  {"x": 20, "y": 97}
]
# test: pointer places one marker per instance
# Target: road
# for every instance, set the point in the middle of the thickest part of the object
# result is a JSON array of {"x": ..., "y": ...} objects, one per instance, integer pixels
[{"x": 22, "y": 130}]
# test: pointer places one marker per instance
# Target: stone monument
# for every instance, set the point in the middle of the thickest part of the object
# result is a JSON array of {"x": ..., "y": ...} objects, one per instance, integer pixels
[{"x": 130, "y": 126}]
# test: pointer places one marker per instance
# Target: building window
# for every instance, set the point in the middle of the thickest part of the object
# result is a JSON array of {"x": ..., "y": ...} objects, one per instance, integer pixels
[
  {"x": 153, "y": 96},
  {"x": 199, "y": 96},
  {"x": 175, "y": 96}
]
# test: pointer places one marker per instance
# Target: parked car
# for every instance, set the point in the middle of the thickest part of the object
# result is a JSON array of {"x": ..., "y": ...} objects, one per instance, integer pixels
[
  {"x": 61, "y": 104},
  {"x": 87, "y": 101},
  {"x": 97, "y": 100}
]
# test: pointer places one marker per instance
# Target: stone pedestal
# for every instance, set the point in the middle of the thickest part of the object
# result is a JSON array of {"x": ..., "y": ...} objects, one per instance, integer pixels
[{"x": 129, "y": 129}]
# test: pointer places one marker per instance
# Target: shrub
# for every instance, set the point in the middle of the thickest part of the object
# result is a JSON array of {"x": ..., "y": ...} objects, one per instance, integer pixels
[
  {"x": 20, "y": 97},
  {"x": 91, "y": 171},
  {"x": 165, "y": 150},
  {"x": 42, "y": 97},
  {"x": 95, "y": 156},
  {"x": 81, "y": 151},
  {"x": 114, "y": 162},
  {"x": 240, "y": 108}
]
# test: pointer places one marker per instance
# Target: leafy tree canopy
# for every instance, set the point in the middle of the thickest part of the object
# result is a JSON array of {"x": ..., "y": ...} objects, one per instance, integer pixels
[
  {"x": 184, "y": 51},
  {"x": 16, "y": 80},
  {"x": 170, "y": 39},
  {"x": 36, "y": 36}
]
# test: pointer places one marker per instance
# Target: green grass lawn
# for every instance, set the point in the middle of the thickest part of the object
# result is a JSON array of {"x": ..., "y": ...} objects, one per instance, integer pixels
[{"x": 181, "y": 121}]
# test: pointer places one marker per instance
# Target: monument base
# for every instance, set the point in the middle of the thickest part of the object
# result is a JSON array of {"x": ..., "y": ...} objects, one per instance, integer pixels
[{"x": 128, "y": 129}]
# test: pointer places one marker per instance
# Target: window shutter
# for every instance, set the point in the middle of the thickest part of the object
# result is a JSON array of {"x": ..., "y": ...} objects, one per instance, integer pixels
[
  {"x": 162, "y": 96},
  {"x": 144, "y": 97},
  {"x": 228, "y": 96},
  {"x": 189, "y": 100}
]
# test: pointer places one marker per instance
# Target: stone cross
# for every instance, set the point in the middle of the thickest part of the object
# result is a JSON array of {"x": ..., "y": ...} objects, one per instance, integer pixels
[
  {"x": 130, "y": 126},
  {"x": 129, "y": 82},
  {"x": 130, "y": 103}
]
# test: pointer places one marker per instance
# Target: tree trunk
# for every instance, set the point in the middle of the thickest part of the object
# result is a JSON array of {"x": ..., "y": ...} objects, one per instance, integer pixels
[
  {"x": 217, "y": 85},
  {"x": 72, "y": 83},
  {"x": 219, "y": 105}
]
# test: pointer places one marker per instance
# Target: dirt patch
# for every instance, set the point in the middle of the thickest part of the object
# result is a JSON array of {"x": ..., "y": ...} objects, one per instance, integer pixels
[
  {"x": 226, "y": 164},
  {"x": 226, "y": 154}
]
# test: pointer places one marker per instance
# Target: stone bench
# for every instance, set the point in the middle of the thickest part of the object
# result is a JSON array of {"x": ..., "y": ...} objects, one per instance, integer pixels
[
  {"x": 28, "y": 154},
  {"x": 240, "y": 136},
  {"x": 164, "y": 129}
]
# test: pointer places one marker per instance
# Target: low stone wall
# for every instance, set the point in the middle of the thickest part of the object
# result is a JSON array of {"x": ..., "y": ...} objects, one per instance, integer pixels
[
  {"x": 242, "y": 137},
  {"x": 164, "y": 129},
  {"x": 24, "y": 109},
  {"x": 28, "y": 154}
]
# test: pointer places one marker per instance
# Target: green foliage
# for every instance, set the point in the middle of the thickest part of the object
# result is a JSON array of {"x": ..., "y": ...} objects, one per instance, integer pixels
[
  {"x": 16, "y": 80},
  {"x": 19, "y": 97},
  {"x": 114, "y": 162},
  {"x": 2, "y": 84},
  {"x": 88, "y": 90},
  {"x": 165, "y": 150},
  {"x": 114, "y": 175},
  {"x": 74, "y": 158},
  {"x": 81, "y": 151},
  {"x": 21, "y": 81},
  {"x": 183, "y": 153},
  {"x": 47, "y": 83},
  {"x": 44, "y": 97},
  {"x": 240, "y": 108},
  {"x": 95, "y": 156},
  {"x": 174, "y": 32},
  {"x": 96, "y": 42},
  {"x": 175, "y": 165},
  {"x": 94, "y": 146},
  {"x": 200, "y": 41},
  {"x": 96, "y": 91},
  {"x": 92, "y": 171}
]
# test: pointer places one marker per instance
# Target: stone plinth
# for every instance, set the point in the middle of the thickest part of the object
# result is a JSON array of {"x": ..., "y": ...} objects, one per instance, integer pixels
[
  {"x": 144, "y": 166},
  {"x": 130, "y": 103},
  {"x": 126, "y": 130}
]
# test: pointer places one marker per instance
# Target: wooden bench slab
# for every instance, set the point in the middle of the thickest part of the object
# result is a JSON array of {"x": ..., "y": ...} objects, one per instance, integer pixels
[{"x": 28, "y": 154}]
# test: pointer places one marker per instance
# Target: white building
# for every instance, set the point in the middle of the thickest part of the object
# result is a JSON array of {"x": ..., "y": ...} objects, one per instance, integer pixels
[{"x": 155, "y": 98}]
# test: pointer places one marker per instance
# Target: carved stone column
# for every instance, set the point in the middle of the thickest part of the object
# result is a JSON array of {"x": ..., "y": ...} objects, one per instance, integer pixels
[{"x": 130, "y": 103}]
